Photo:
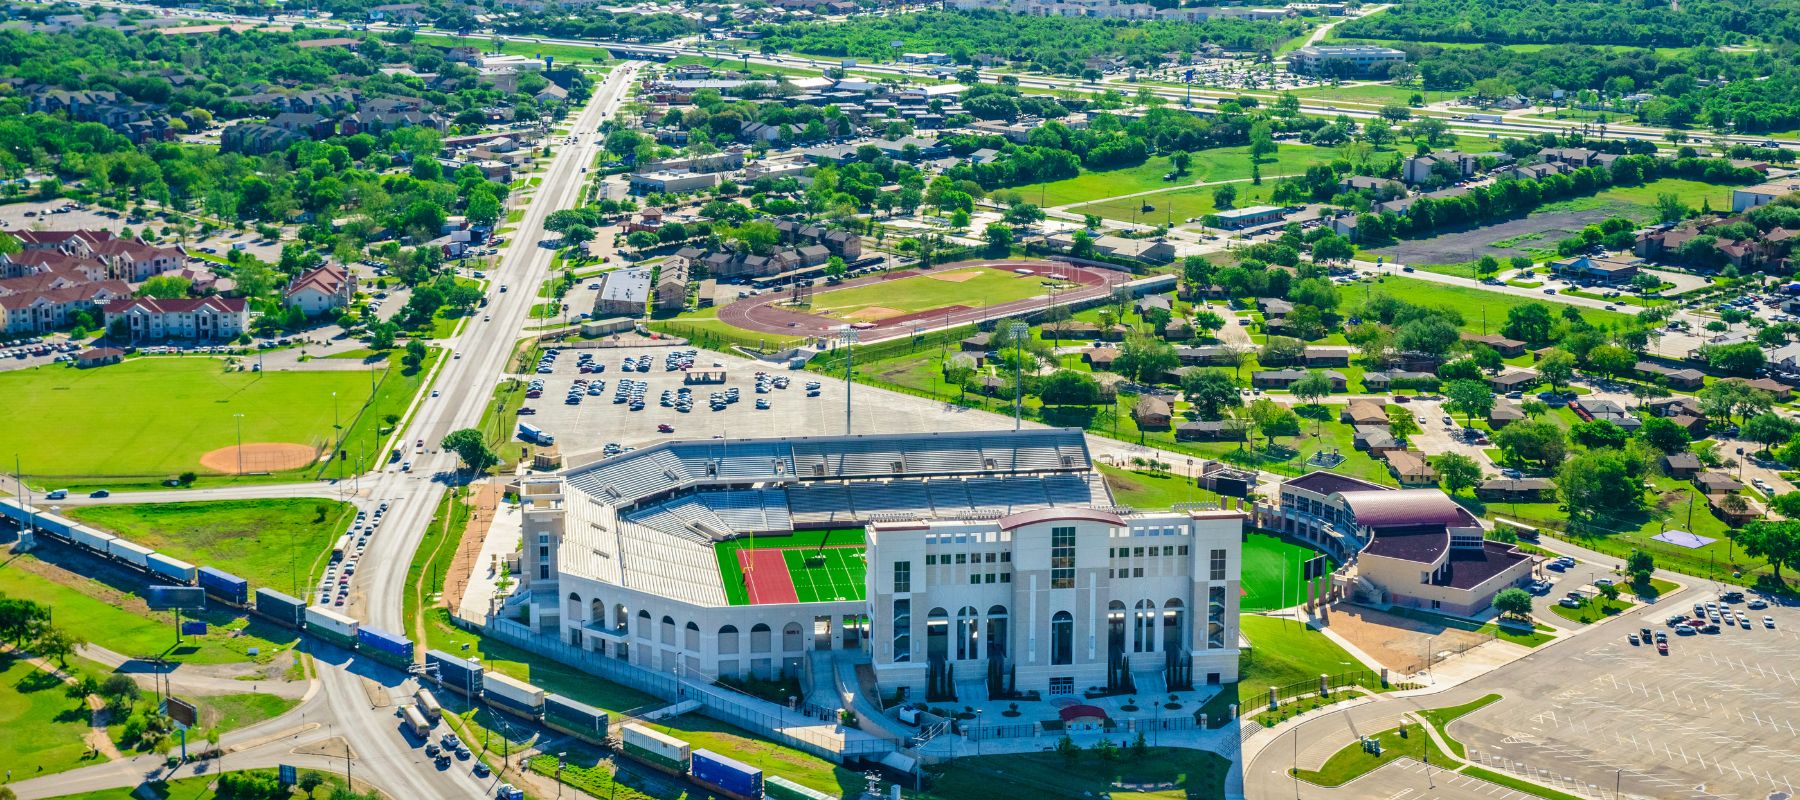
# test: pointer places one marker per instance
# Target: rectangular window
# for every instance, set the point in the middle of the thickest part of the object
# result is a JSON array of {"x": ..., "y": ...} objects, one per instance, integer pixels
[
  {"x": 974, "y": 577},
  {"x": 1137, "y": 572},
  {"x": 992, "y": 558},
  {"x": 544, "y": 572},
  {"x": 1182, "y": 550},
  {"x": 1137, "y": 552},
  {"x": 1218, "y": 565},
  {"x": 1006, "y": 577},
  {"x": 990, "y": 578},
  {"x": 1006, "y": 556},
  {"x": 543, "y": 551},
  {"x": 930, "y": 560},
  {"x": 902, "y": 577},
  {"x": 1062, "y": 558},
  {"x": 962, "y": 558},
  {"x": 1215, "y": 617}
]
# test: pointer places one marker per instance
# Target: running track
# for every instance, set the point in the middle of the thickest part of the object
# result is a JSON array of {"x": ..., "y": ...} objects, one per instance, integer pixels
[{"x": 764, "y": 315}]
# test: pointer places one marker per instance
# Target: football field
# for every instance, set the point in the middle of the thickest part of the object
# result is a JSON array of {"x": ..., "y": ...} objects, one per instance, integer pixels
[
  {"x": 1271, "y": 575},
  {"x": 803, "y": 567}
]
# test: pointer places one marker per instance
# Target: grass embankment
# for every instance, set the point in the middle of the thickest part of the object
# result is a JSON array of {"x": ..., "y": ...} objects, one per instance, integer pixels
[
  {"x": 1283, "y": 653},
  {"x": 276, "y": 542},
  {"x": 1352, "y": 762}
]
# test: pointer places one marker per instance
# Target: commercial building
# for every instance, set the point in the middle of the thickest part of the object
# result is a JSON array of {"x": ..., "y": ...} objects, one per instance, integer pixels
[
  {"x": 1343, "y": 60},
  {"x": 623, "y": 293},
  {"x": 1748, "y": 197}
]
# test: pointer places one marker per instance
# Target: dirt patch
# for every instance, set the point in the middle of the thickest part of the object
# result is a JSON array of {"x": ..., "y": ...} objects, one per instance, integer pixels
[
  {"x": 959, "y": 276},
  {"x": 1540, "y": 231},
  {"x": 1399, "y": 643},
  {"x": 259, "y": 457},
  {"x": 872, "y": 313}
]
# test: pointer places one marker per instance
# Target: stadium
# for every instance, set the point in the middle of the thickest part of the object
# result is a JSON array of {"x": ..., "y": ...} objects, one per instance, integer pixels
[{"x": 972, "y": 566}]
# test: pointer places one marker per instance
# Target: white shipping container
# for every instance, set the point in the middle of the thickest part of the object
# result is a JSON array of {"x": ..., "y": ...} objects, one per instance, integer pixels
[
  {"x": 91, "y": 539},
  {"x": 664, "y": 745},
  {"x": 517, "y": 691},
  {"x": 172, "y": 567},
  {"x": 136, "y": 555},
  {"x": 322, "y": 617}
]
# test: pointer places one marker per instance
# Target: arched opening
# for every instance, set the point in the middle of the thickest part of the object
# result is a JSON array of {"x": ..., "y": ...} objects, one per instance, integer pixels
[
  {"x": 1175, "y": 637},
  {"x": 937, "y": 635},
  {"x": 997, "y": 632},
  {"x": 968, "y": 634},
  {"x": 597, "y": 612},
  {"x": 1143, "y": 634},
  {"x": 791, "y": 638},
  {"x": 728, "y": 640},
  {"x": 621, "y": 616},
  {"x": 1062, "y": 639},
  {"x": 691, "y": 639},
  {"x": 668, "y": 630},
  {"x": 574, "y": 610},
  {"x": 643, "y": 624},
  {"x": 759, "y": 638}
]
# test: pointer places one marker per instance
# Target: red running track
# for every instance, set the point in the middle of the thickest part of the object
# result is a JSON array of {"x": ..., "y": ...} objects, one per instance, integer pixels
[
  {"x": 763, "y": 314},
  {"x": 766, "y": 578}
]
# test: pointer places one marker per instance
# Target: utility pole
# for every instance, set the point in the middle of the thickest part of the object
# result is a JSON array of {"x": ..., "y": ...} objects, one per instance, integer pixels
[
  {"x": 1019, "y": 331},
  {"x": 848, "y": 338}
]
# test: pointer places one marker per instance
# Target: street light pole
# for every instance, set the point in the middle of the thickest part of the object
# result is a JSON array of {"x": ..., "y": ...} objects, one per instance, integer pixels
[
  {"x": 848, "y": 337},
  {"x": 1019, "y": 331}
]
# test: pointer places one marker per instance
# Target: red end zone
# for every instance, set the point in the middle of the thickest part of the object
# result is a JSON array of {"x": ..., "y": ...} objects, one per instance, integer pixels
[{"x": 766, "y": 578}]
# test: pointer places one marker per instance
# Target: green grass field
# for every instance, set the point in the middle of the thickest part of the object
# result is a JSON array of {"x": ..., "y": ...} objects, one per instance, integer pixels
[
  {"x": 563, "y": 53},
  {"x": 47, "y": 725},
  {"x": 841, "y": 576},
  {"x": 1353, "y": 762},
  {"x": 279, "y": 542},
  {"x": 1029, "y": 776},
  {"x": 1218, "y": 164},
  {"x": 1271, "y": 567},
  {"x": 114, "y": 618},
  {"x": 198, "y": 788},
  {"x": 1177, "y": 207},
  {"x": 1143, "y": 490},
  {"x": 1469, "y": 302},
  {"x": 1693, "y": 193},
  {"x": 1283, "y": 652},
  {"x": 155, "y": 417},
  {"x": 969, "y": 286},
  {"x": 1373, "y": 94}
]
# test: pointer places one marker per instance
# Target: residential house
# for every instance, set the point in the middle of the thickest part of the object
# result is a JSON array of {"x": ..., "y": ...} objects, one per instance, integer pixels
[
  {"x": 1410, "y": 468},
  {"x": 1780, "y": 391},
  {"x": 1686, "y": 379},
  {"x": 1364, "y": 412},
  {"x": 1736, "y": 512},
  {"x": 1151, "y": 413},
  {"x": 1376, "y": 440},
  {"x": 331, "y": 287},
  {"x": 99, "y": 357},
  {"x": 1284, "y": 378},
  {"x": 1507, "y": 348},
  {"x": 1716, "y": 483},
  {"x": 1684, "y": 465},
  {"x": 1513, "y": 381},
  {"x": 1209, "y": 431}
]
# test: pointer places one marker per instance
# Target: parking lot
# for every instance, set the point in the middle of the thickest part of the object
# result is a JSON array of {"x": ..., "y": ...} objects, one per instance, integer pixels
[
  {"x": 40, "y": 215},
  {"x": 584, "y": 429},
  {"x": 1719, "y": 716}
]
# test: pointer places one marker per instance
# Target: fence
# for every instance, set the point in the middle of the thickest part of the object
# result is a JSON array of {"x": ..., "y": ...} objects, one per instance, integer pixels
[
  {"x": 785, "y": 726},
  {"x": 1306, "y": 688}
]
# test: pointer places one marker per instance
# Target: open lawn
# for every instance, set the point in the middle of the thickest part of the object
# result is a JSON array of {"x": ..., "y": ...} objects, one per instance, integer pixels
[
  {"x": 563, "y": 53},
  {"x": 1152, "y": 492},
  {"x": 969, "y": 286},
  {"x": 45, "y": 727},
  {"x": 279, "y": 542},
  {"x": 1030, "y": 776},
  {"x": 1218, "y": 164},
  {"x": 1282, "y": 653},
  {"x": 1440, "y": 718},
  {"x": 1593, "y": 610},
  {"x": 1177, "y": 207},
  {"x": 1470, "y": 302},
  {"x": 111, "y": 615},
  {"x": 181, "y": 408},
  {"x": 1272, "y": 572},
  {"x": 1693, "y": 193},
  {"x": 1380, "y": 94},
  {"x": 199, "y": 788}
]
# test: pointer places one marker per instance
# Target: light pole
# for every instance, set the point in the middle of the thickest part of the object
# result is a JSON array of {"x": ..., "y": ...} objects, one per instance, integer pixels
[
  {"x": 978, "y": 713},
  {"x": 848, "y": 338},
  {"x": 560, "y": 760},
  {"x": 337, "y": 434},
  {"x": 240, "y": 442},
  {"x": 1428, "y": 658},
  {"x": 1019, "y": 331}
]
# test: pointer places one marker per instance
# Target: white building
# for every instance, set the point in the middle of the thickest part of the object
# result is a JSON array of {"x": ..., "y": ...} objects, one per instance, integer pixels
[
  {"x": 207, "y": 318},
  {"x": 1355, "y": 59},
  {"x": 996, "y": 557}
]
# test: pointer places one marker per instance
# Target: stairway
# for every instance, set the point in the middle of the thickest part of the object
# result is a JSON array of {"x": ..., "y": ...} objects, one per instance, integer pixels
[{"x": 1149, "y": 683}]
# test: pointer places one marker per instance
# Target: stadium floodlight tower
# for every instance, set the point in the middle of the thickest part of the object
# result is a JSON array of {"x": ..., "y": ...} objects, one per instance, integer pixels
[
  {"x": 848, "y": 337},
  {"x": 1019, "y": 331}
]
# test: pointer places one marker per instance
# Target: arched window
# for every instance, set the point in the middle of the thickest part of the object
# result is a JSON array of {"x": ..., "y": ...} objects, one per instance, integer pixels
[
  {"x": 668, "y": 630},
  {"x": 621, "y": 617},
  {"x": 692, "y": 640},
  {"x": 997, "y": 632},
  {"x": 968, "y": 634},
  {"x": 759, "y": 638},
  {"x": 937, "y": 635},
  {"x": 790, "y": 638},
  {"x": 728, "y": 640},
  {"x": 1175, "y": 636},
  {"x": 597, "y": 612},
  {"x": 643, "y": 624},
  {"x": 1062, "y": 639},
  {"x": 1143, "y": 635},
  {"x": 574, "y": 612}
]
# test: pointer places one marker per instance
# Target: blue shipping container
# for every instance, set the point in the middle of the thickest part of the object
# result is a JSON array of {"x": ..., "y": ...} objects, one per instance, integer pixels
[
  {"x": 574, "y": 717},
  {"x": 513, "y": 706},
  {"x": 455, "y": 673},
  {"x": 725, "y": 774},
  {"x": 225, "y": 585},
  {"x": 280, "y": 607},
  {"x": 192, "y": 628},
  {"x": 388, "y": 643}
]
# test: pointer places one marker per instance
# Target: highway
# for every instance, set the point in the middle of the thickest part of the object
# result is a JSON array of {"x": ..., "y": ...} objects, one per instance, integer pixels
[{"x": 354, "y": 700}]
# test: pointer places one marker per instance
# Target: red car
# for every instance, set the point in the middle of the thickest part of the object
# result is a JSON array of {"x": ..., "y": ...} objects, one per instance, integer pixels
[
  {"x": 665, "y": 429},
  {"x": 1662, "y": 647}
]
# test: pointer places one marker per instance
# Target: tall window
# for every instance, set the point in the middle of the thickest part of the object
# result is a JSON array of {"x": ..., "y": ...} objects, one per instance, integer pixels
[
  {"x": 1218, "y": 565},
  {"x": 1062, "y": 558},
  {"x": 1215, "y": 617},
  {"x": 1062, "y": 638},
  {"x": 902, "y": 577},
  {"x": 902, "y": 629}
]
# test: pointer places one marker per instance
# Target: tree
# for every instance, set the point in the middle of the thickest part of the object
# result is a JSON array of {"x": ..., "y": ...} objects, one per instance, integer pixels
[
  {"x": 1663, "y": 434},
  {"x": 1556, "y": 368},
  {"x": 1456, "y": 471},
  {"x": 119, "y": 691},
  {"x": 1777, "y": 541},
  {"x": 310, "y": 782},
  {"x": 1610, "y": 591},
  {"x": 471, "y": 447},
  {"x": 1145, "y": 359},
  {"x": 578, "y": 235},
  {"x": 1066, "y": 747},
  {"x": 1529, "y": 322},
  {"x": 1598, "y": 433},
  {"x": 483, "y": 209},
  {"x": 1470, "y": 398},
  {"x": 835, "y": 267},
  {"x": 57, "y": 643},
  {"x": 1768, "y": 429},
  {"x": 1612, "y": 360},
  {"x": 1224, "y": 196},
  {"x": 1513, "y": 602},
  {"x": 1669, "y": 207},
  {"x": 1401, "y": 422},
  {"x": 1273, "y": 419},
  {"x": 999, "y": 237},
  {"x": 1601, "y": 482},
  {"x": 1066, "y": 387},
  {"x": 164, "y": 287},
  {"x": 1534, "y": 441},
  {"x": 381, "y": 335},
  {"x": 1787, "y": 505},
  {"x": 1211, "y": 391},
  {"x": 415, "y": 354},
  {"x": 1311, "y": 388},
  {"x": 1640, "y": 565}
]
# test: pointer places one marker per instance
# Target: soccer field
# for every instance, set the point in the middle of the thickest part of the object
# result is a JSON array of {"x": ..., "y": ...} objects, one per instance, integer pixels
[
  {"x": 839, "y": 577},
  {"x": 1267, "y": 558},
  {"x": 969, "y": 286},
  {"x": 156, "y": 417}
]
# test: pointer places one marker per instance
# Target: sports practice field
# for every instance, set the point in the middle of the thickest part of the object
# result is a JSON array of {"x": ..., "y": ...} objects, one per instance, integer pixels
[
  {"x": 774, "y": 569},
  {"x": 1267, "y": 558},
  {"x": 969, "y": 286},
  {"x": 152, "y": 417}
]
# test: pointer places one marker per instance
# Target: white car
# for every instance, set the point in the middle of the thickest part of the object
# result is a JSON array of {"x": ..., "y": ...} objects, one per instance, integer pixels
[{"x": 1768, "y": 621}]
